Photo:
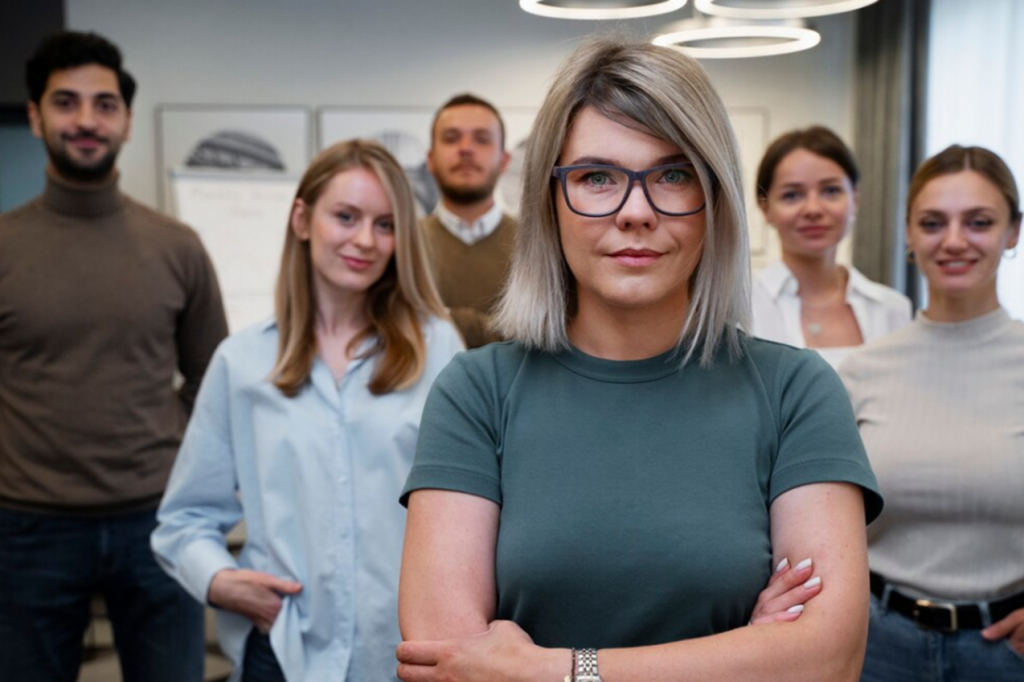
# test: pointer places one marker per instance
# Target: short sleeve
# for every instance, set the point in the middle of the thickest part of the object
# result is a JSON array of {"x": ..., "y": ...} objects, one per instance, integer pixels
[
  {"x": 459, "y": 439},
  {"x": 818, "y": 437}
]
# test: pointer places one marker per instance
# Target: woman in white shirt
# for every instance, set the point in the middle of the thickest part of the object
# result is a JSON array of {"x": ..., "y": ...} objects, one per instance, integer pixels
[
  {"x": 305, "y": 426},
  {"x": 807, "y": 189},
  {"x": 940, "y": 407}
]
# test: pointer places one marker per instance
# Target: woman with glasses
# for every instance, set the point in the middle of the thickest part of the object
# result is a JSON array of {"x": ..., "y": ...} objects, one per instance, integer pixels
[
  {"x": 807, "y": 190},
  {"x": 606, "y": 495},
  {"x": 940, "y": 405}
]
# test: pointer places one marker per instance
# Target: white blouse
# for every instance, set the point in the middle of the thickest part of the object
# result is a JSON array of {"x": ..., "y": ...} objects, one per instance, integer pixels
[{"x": 878, "y": 309}]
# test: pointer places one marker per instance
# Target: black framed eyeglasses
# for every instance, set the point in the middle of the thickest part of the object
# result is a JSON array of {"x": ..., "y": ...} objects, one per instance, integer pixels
[{"x": 600, "y": 190}]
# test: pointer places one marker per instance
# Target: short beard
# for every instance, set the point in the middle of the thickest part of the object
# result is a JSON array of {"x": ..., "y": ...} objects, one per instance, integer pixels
[
  {"x": 68, "y": 168},
  {"x": 467, "y": 196}
]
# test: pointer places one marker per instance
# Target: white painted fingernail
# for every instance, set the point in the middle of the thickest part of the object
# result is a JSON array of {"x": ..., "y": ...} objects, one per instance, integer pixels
[
  {"x": 782, "y": 566},
  {"x": 795, "y": 609},
  {"x": 802, "y": 565},
  {"x": 813, "y": 582}
]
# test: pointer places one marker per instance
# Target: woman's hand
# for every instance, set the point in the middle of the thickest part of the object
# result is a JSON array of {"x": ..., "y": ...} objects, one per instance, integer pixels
[
  {"x": 253, "y": 594},
  {"x": 502, "y": 653},
  {"x": 788, "y": 590},
  {"x": 1011, "y": 628}
]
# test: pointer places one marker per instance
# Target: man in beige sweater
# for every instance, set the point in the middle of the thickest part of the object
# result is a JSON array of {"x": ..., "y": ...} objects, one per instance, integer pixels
[
  {"x": 102, "y": 301},
  {"x": 468, "y": 236}
]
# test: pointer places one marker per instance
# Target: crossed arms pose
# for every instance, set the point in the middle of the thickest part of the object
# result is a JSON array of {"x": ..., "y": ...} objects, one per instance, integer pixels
[{"x": 626, "y": 473}]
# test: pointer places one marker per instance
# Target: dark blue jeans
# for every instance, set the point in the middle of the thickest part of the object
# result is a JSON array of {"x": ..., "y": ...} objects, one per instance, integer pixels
[
  {"x": 51, "y": 566},
  {"x": 900, "y": 651},
  {"x": 260, "y": 663}
]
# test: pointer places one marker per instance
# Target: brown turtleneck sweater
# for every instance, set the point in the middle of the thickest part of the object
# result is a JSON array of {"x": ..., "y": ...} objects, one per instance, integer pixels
[{"x": 101, "y": 300}]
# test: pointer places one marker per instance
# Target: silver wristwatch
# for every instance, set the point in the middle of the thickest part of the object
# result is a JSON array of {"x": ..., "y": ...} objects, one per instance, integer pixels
[{"x": 586, "y": 666}]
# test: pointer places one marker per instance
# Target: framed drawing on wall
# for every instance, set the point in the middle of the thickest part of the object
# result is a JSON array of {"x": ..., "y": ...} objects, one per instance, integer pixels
[
  {"x": 405, "y": 131},
  {"x": 242, "y": 139},
  {"x": 231, "y": 173}
]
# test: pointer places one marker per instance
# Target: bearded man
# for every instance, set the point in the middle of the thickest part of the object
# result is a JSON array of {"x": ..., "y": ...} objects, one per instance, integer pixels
[
  {"x": 109, "y": 313},
  {"x": 469, "y": 237}
]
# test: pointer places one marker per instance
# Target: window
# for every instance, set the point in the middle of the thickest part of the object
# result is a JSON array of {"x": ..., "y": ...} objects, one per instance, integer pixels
[{"x": 975, "y": 96}]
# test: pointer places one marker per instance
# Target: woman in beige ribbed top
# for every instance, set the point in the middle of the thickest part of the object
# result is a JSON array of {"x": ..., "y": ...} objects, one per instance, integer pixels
[{"x": 940, "y": 406}]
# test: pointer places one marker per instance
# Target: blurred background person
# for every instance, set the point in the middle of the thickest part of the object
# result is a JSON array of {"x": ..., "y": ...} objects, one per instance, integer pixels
[
  {"x": 103, "y": 302},
  {"x": 940, "y": 406},
  {"x": 305, "y": 428},
  {"x": 807, "y": 190},
  {"x": 469, "y": 237}
]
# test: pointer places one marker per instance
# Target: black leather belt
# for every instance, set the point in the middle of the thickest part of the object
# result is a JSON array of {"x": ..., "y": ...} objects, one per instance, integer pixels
[{"x": 944, "y": 615}]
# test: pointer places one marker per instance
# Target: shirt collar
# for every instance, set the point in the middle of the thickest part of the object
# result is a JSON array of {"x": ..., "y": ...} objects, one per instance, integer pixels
[
  {"x": 863, "y": 286},
  {"x": 778, "y": 280},
  {"x": 470, "y": 233}
]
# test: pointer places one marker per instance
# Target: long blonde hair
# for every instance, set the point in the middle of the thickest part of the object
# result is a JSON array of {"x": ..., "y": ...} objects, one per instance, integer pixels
[
  {"x": 394, "y": 303},
  {"x": 670, "y": 95}
]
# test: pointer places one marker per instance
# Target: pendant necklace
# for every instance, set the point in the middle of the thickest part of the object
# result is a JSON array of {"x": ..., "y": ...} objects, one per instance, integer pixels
[{"x": 814, "y": 327}]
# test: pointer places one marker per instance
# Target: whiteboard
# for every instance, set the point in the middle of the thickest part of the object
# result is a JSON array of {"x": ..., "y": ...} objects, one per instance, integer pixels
[{"x": 242, "y": 219}]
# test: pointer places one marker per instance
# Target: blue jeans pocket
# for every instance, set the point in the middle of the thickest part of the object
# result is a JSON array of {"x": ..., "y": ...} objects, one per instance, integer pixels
[{"x": 1013, "y": 653}]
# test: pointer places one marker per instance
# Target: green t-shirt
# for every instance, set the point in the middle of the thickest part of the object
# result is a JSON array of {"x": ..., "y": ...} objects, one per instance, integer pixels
[{"x": 634, "y": 495}]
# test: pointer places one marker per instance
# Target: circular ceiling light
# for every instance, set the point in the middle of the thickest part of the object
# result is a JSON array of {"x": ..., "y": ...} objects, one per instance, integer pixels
[
  {"x": 624, "y": 10},
  {"x": 731, "y": 42},
  {"x": 778, "y": 9}
]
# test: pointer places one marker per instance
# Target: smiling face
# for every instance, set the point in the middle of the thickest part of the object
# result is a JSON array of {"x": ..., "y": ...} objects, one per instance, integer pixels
[
  {"x": 958, "y": 227},
  {"x": 83, "y": 120},
  {"x": 636, "y": 259},
  {"x": 466, "y": 155},
  {"x": 351, "y": 234},
  {"x": 811, "y": 203}
]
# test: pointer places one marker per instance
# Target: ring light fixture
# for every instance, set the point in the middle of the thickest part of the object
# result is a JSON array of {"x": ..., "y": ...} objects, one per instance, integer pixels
[
  {"x": 778, "y": 9},
  {"x": 784, "y": 40},
  {"x": 626, "y": 11}
]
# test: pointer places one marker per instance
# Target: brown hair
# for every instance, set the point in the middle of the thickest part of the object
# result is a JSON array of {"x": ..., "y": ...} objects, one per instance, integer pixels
[
  {"x": 954, "y": 159},
  {"x": 817, "y": 140},
  {"x": 394, "y": 303},
  {"x": 464, "y": 100}
]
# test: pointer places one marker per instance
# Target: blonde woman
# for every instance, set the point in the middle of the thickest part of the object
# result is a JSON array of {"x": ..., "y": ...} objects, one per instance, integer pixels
[
  {"x": 305, "y": 428},
  {"x": 606, "y": 496},
  {"x": 807, "y": 190},
  {"x": 940, "y": 405}
]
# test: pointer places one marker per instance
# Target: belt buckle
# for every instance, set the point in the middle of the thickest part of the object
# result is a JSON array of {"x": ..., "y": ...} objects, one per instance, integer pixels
[{"x": 946, "y": 606}]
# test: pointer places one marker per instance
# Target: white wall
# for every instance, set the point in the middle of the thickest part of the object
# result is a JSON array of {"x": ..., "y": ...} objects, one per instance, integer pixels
[{"x": 406, "y": 52}]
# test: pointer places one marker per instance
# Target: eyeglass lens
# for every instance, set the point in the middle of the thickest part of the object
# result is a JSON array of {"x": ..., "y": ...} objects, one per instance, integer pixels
[{"x": 602, "y": 189}]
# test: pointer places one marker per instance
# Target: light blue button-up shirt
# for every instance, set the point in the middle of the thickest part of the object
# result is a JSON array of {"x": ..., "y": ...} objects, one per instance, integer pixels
[{"x": 317, "y": 479}]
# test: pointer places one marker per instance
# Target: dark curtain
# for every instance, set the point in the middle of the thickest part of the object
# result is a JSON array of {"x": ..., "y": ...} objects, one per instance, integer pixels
[{"x": 892, "y": 49}]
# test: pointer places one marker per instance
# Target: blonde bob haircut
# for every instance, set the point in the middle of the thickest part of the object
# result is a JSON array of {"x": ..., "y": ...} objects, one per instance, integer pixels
[
  {"x": 662, "y": 92},
  {"x": 395, "y": 303}
]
